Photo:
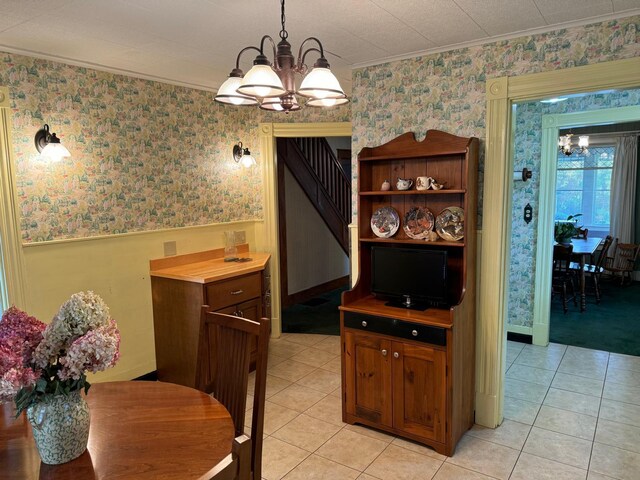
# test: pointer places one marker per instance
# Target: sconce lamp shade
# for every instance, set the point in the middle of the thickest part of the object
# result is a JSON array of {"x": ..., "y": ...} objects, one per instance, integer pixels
[
  {"x": 321, "y": 83},
  {"x": 243, "y": 156},
  {"x": 49, "y": 146},
  {"x": 262, "y": 82},
  {"x": 227, "y": 93}
]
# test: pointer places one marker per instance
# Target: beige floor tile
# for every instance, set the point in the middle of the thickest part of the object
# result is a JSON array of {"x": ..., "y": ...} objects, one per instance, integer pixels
[
  {"x": 530, "y": 374},
  {"x": 306, "y": 432},
  {"x": 630, "y": 378},
  {"x": 328, "y": 409},
  {"x": 366, "y": 476},
  {"x": 307, "y": 339},
  {"x": 274, "y": 385},
  {"x": 284, "y": 348},
  {"x": 314, "y": 357},
  {"x": 371, "y": 432},
  {"x": 418, "y": 448},
  {"x": 279, "y": 458},
  {"x": 297, "y": 397},
  {"x": 531, "y": 392},
  {"x": 337, "y": 392},
  {"x": 274, "y": 359},
  {"x": 340, "y": 448},
  {"x": 615, "y": 462},
  {"x": 321, "y": 380},
  {"x": 330, "y": 344},
  {"x": 574, "y": 402},
  {"x": 509, "y": 433},
  {"x": 564, "y": 421},
  {"x": 621, "y": 393},
  {"x": 583, "y": 367},
  {"x": 587, "y": 354},
  {"x": 291, "y": 370},
  {"x": 618, "y": 435},
  {"x": 541, "y": 357},
  {"x": 559, "y": 447},
  {"x": 597, "y": 476},
  {"x": 317, "y": 468},
  {"x": 620, "y": 412},
  {"x": 531, "y": 467},
  {"x": 626, "y": 362},
  {"x": 453, "y": 472},
  {"x": 276, "y": 416},
  {"x": 396, "y": 463},
  {"x": 333, "y": 365},
  {"x": 484, "y": 457},
  {"x": 520, "y": 410},
  {"x": 574, "y": 383}
]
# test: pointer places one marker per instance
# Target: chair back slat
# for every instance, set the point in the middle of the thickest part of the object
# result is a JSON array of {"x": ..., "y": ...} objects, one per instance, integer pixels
[
  {"x": 604, "y": 252},
  {"x": 562, "y": 258}
]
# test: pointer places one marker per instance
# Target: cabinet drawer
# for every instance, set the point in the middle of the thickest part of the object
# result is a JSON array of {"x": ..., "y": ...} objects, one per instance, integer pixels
[
  {"x": 396, "y": 328},
  {"x": 233, "y": 291}
]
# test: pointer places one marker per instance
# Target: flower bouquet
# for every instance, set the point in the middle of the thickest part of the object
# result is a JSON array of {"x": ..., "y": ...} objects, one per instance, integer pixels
[{"x": 43, "y": 369}]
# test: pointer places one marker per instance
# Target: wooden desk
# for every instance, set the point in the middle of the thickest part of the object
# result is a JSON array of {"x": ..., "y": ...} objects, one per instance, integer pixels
[
  {"x": 583, "y": 248},
  {"x": 139, "y": 430}
]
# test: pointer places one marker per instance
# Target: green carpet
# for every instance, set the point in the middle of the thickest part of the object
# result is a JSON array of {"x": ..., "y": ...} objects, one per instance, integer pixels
[
  {"x": 612, "y": 326},
  {"x": 318, "y": 315}
]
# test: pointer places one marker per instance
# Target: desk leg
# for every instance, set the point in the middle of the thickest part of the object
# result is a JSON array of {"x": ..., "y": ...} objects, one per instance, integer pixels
[{"x": 583, "y": 296}]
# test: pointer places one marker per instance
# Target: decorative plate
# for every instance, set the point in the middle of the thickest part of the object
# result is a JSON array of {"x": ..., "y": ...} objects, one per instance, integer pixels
[
  {"x": 385, "y": 222},
  {"x": 418, "y": 222},
  {"x": 450, "y": 224}
]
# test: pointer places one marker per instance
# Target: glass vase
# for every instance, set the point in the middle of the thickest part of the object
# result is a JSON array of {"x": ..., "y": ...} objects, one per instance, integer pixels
[{"x": 60, "y": 427}]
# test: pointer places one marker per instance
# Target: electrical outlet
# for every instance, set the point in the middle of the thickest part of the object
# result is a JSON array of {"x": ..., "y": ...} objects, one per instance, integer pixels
[
  {"x": 170, "y": 249},
  {"x": 241, "y": 237}
]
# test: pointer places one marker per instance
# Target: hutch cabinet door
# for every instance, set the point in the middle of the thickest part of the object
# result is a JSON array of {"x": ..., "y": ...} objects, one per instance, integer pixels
[
  {"x": 419, "y": 390},
  {"x": 368, "y": 377}
]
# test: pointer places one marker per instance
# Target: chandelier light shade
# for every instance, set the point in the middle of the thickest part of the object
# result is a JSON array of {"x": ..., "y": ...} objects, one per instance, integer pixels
[
  {"x": 565, "y": 144},
  {"x": 49, "y": 146},
  {"x": 272, "y": 86}
]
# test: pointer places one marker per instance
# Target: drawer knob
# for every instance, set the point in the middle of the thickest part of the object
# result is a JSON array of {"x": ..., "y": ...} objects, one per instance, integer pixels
[
  {"x": 384, "y": 353},
  {"x": 414, "y": 333},
  {"x": 364, "y": 323},
  {"x": 396, "y": 355},
  {"x": 237, "y": 292}
]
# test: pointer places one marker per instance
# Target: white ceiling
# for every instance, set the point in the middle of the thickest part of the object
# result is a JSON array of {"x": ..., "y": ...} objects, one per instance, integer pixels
[{"x": 195, "y": 42}]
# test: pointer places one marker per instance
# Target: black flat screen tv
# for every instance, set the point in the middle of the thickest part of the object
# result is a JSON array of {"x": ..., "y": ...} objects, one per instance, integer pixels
[{"x": 410, "y": 277}]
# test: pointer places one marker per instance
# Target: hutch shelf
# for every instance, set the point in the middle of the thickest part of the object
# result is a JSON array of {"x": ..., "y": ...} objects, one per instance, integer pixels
[{"x": 411, "y": 372}]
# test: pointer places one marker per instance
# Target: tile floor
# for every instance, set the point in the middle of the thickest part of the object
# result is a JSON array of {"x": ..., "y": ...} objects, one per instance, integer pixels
[{"x": 570, "y": 413}]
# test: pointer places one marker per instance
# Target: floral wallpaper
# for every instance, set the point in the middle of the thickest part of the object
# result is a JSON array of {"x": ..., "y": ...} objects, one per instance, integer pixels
[
  {"x": 145, "y": 155},
  {"x": 528, "y": 138},
  {"x": 446, "y": 91}
]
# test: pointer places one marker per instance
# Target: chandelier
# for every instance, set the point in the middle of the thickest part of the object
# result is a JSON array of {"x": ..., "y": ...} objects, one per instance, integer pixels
[
  {"x": 565, "y": 144},
  {"x": 272, "y": 86}
]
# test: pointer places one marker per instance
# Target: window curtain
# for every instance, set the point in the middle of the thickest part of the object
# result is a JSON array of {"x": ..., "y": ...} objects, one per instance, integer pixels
[{"x": 623, "y": 189}]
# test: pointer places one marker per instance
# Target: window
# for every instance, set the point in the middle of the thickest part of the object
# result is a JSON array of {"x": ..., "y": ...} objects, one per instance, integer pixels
[{"x": 583, "y": 185}]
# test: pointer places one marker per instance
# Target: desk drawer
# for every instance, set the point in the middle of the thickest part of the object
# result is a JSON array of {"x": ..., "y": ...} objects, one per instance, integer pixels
[{"x": 233, "y": 291}]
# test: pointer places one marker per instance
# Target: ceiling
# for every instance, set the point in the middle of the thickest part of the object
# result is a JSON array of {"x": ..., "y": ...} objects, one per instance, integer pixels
[{"x": 195, "y": 42}]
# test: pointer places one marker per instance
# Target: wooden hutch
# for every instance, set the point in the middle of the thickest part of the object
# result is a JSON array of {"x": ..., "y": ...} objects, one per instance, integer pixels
[{"x": 404, "y": 371}]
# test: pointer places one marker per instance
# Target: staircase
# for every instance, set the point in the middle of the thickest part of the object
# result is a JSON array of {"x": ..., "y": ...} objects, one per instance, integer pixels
[{"x": 315, "y": 167}]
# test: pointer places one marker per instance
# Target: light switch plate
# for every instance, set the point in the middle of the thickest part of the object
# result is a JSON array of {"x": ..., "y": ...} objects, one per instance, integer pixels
[{"x": 170, "y": 249}]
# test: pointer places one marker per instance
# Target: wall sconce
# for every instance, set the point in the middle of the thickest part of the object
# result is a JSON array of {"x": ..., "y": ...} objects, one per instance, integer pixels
[
  {"x": 49, "y": 145},
  {"x": 243, "y": 156},
  {"x": 524, "y": 175}
]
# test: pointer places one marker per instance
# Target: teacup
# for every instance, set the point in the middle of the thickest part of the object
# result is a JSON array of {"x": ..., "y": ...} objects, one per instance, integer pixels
[
  {"x": 404, "y": 183},
  {"x": 423, "y": 183}
]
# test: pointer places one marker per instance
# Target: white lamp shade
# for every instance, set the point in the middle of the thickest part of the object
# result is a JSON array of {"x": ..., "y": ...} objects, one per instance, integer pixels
[
  {"x": 275, "y": 105},
  {"x": 327, "y": 102},
  {"x": 55, "y": 152},
  {"x": 321, "y": 83},
  {"x": 227, "y": 93},
  {"x": 261, "y": 82},
  {"x": 583, "y": 141},
  {"x": 247, "y": 160}
]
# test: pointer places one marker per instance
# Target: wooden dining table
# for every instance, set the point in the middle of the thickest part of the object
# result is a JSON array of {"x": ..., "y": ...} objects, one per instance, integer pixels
[
  {"x": 139, "y": 430},
  {"x": 584, "y": 248}
]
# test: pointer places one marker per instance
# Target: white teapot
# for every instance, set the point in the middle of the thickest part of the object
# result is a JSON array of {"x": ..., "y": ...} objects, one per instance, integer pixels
[{"x": 404, "y": 183}]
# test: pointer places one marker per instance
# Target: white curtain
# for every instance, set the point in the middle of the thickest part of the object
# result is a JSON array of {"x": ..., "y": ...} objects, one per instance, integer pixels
[{"x": 623, "y": 189}]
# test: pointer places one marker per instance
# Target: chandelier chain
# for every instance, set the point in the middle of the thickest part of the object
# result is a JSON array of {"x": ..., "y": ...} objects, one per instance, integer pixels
[{"x": 283, "y": 33}]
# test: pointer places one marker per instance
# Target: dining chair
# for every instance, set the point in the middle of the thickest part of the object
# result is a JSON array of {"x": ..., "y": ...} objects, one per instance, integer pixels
[
  {"x": 622, "y": 261},
  {"x": 224, "y": 353},
  {"x": 236, "y": 465},
  {"x": 594, "y": 271},
  {"x": 562, "y": 275}
]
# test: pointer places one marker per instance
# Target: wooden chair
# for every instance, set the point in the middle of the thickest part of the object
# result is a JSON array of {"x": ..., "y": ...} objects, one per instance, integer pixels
[
  {"x": 562, "y": 274},
  {"x": 224, "y": 351},
  {"x": 236, "y": 465},
  {"x": 594, "y": 271},
  {"x": 622, "y": 261}
]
